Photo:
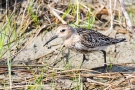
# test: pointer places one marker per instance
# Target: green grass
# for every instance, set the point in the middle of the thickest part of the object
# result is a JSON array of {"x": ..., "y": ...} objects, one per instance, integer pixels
[
  {"x": 77, "y": 82},
  {"x": 67, "y": 11},
  {"x": 77, "y": 13},
  {"x": 53, "y": 81},
  {"x": 131, "y": 14},
  {"x": 33, "y": 14},
  {"x": 75, "y": 10},
  {"x": 91, "y": 21},
  {"x": 37, "y": 80},
  {"x": 3, "y": 38},
  {"x": 8, "y": 35},
  {"x": 111, "y": 60}
]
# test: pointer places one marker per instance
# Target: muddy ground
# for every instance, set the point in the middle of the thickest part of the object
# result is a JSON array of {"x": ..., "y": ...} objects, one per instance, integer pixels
[{"x": 120, "y": 57}]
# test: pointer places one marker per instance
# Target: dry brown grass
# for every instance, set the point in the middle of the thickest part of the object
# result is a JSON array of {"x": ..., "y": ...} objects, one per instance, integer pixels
[{"x": 31, "y": 18}]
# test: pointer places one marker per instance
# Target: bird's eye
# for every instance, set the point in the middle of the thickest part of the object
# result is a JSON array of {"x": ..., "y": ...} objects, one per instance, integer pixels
[{"x": 63, "y": 30}]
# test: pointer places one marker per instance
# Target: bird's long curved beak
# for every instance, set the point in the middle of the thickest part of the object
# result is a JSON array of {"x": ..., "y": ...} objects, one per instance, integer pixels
[{"x": 52, "y": 38}]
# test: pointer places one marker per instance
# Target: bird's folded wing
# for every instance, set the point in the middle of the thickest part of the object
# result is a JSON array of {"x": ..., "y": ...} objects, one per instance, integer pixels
[{"x": 92, "y": 39}]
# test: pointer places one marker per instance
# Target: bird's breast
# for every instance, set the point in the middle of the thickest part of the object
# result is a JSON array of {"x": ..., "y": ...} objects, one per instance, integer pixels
[
  {"x": 75, "y": 46},
  {"x": 72, "y": 41},
  {"x": 68, "y": 43}
]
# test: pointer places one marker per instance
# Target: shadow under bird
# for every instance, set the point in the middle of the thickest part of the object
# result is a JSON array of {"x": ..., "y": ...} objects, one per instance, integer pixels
[{"x": 84, "y": 40}]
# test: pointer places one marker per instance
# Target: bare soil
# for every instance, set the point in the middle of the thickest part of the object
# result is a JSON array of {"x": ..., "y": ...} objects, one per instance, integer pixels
[{"x": 31, "y": 61}]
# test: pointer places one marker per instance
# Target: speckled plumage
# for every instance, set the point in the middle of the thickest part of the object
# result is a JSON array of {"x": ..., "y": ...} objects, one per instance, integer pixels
[
  {"x": 83, "y": 40},
  {"x": 91, "y": 38}
]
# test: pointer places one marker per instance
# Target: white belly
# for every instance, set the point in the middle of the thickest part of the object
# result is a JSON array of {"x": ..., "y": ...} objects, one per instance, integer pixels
[{"x": 78, "y": 47}]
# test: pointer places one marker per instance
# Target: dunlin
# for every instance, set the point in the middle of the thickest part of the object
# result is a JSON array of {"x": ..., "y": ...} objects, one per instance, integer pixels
[{"x": 84, "y": 40}]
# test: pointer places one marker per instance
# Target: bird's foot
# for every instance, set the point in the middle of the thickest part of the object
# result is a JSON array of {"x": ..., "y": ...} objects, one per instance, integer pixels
[
  {"x": 84, "y": 58},
  {"x": 105, "y": 68}
]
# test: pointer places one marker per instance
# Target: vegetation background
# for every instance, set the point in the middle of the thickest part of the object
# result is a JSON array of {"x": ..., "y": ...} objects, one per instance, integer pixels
[{"x": 25, "y": 64}]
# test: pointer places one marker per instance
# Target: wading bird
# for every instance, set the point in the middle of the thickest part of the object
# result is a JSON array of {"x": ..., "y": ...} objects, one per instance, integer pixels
[{"x": 84, "y": 40}]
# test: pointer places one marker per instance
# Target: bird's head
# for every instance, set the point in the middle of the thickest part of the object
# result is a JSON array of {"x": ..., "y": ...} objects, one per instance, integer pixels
[{"x": 63, "y": 31}]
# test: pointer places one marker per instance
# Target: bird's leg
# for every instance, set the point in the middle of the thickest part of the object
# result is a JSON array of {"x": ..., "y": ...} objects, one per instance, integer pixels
[
  {"x": 104, "y": 52},
  {"x": 67, "y": 56},
  {"x": 84, "y": 58}
]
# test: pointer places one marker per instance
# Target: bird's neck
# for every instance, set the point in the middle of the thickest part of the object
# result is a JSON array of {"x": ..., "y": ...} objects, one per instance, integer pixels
[{"x": 70, "y": 35}]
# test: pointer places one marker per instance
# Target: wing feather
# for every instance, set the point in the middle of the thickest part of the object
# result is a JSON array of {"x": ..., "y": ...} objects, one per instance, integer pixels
[{"x": 91, "y": 38}]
